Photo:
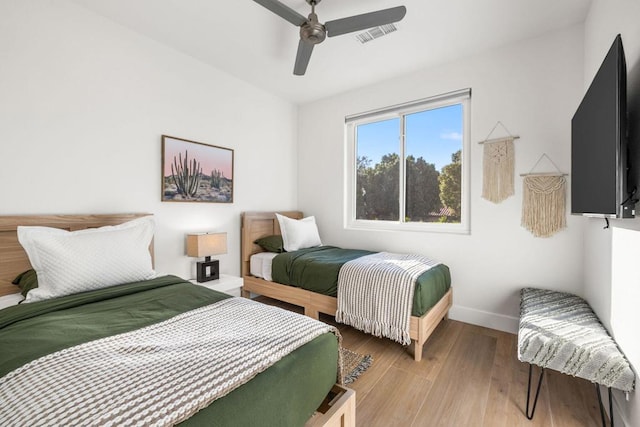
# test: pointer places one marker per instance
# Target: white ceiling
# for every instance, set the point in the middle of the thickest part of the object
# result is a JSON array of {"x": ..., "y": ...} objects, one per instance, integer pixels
[{"x": 250, "y": 42}]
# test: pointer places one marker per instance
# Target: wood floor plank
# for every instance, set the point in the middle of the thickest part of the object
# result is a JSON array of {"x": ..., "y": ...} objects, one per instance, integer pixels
[
  {"x": 391, "y": 408},
  {"x": 573, "y": 401},
  {"x": 435, "y": 353},
  {"x": 497, "y": 412},
  {"x": 469, "y": 376},
  {"x": 459, "y": 393},
  {"x": 518, "y": 393},
  {"x": 384, "y": 353},
  {"x": 506, "y": 404}
]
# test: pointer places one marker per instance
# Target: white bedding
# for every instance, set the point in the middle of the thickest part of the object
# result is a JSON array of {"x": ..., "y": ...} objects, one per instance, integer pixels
[
  {"x": 10, "y": 300},
  {"x": 260, "y": 265}
]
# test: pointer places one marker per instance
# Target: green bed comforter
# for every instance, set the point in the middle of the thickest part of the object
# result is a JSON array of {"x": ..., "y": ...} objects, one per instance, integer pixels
[
  {"x": 286, "y": 394},
  {"x": 316, "y": 269}
]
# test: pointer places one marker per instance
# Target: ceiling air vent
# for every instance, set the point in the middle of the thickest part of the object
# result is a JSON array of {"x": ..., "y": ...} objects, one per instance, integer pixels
[{"x": 375, "y": 32}]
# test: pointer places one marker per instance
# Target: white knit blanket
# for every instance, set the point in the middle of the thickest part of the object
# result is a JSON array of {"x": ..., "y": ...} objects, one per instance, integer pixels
[
  {"x": 158, "y": 375},
  {"x": 375, "y": 293}
]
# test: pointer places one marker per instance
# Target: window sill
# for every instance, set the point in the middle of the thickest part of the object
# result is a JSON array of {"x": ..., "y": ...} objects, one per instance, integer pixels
[{"x": 413, "y": 227}]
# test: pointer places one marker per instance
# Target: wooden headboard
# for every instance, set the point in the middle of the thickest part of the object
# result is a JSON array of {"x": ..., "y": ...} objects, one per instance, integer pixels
[
  {"x": 254, "y": 225},
  {"x": 13, "y": 258}
]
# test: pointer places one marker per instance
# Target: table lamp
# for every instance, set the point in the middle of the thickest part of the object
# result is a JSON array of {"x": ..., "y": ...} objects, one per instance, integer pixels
[{"x": 205, "y": 245}]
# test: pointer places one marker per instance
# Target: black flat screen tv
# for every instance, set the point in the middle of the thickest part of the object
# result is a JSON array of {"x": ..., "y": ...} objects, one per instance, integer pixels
[{"x": 599, "y": 167}]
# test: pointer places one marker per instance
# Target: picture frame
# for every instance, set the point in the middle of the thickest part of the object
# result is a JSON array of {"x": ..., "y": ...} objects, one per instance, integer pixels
[{"x": 196, "y": 172}]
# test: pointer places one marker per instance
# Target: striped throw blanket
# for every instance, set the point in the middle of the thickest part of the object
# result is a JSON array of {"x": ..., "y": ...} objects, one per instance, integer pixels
[
  {"x": 158, "y": 375},
  {"x": 375, "y": 293}
]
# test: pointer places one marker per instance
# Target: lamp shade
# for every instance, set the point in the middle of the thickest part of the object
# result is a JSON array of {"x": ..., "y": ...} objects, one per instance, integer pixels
[{"x": 206, "y": 244}]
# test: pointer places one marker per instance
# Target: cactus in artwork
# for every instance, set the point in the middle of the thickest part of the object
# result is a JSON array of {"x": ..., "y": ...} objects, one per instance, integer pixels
[
  {"x": 186, "y": 175},
  {"x": 216, "y": 178}
]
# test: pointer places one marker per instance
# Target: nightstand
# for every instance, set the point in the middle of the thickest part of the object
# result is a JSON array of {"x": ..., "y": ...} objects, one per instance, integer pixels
[{"x": 228, "y": 284}]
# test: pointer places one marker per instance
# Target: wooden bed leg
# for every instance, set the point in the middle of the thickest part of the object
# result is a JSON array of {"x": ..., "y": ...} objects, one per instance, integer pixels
[
  {"x": 314, "y": 314},
  {"x": 245, "y": 294},
  {"x": 446, "y": 316},
  {"x": 417, "y": 351}
]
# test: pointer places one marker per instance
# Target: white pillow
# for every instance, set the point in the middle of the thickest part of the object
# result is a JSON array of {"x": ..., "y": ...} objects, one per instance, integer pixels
[
  {"x": 298, "y": 234},
  {"x": 68, "y": 262},
  {"x": 10, "y": 300}
]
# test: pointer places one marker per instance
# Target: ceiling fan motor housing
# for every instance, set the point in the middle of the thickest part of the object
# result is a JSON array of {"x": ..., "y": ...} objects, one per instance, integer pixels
[{"x": 312, "y": 31}]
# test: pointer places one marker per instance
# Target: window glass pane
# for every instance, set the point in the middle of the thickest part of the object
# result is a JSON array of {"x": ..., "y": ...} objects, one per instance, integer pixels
[
  {"x": 378, "y": 170},
  {"x": 433, "y": 149}
]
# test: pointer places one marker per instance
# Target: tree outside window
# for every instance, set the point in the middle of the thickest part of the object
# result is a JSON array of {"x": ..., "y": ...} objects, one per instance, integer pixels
[{"x": 426, "y": 186}]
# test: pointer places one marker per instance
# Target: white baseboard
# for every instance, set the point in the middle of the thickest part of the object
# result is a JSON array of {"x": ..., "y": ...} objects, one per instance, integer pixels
[{"x": 484, "y": 318}]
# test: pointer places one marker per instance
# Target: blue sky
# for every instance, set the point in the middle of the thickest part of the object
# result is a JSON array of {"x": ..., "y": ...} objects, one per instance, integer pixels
[{"x": 432, "y": 134}]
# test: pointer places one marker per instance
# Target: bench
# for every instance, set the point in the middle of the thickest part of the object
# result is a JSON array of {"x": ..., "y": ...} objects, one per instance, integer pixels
[{"x": 560, "y": 331}]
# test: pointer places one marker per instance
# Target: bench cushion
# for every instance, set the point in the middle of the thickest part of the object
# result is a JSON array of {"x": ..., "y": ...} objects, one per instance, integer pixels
[{"x": 560, "y": 331}]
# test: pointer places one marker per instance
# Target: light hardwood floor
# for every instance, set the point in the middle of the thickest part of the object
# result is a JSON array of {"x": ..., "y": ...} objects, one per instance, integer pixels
[{"x": 468, "y": 376}]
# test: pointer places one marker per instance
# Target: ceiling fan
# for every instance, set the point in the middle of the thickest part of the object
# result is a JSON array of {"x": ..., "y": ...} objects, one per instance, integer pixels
[{"x": 313, "y": 32}]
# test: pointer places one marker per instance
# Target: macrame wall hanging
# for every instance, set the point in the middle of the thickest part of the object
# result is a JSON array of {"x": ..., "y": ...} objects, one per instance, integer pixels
[
  {"x": 543, "y": 201},
  {"x": 498, "y": 166}
]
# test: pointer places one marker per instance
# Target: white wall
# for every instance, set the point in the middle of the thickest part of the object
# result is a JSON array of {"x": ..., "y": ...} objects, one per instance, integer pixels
[
  {"x": 83, "y": 103},
  {"x": 533, "y": 87},
  {"x": 612, "y": 284}
]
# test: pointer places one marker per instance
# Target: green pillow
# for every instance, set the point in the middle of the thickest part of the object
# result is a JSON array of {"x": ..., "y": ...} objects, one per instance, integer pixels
[
  {"x": 26, "y": 281},
  {"x": 271, "y": 243}
]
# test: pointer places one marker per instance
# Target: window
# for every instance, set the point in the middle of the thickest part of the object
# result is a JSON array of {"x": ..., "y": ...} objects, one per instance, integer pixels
[{"x": 406, "y": 166}]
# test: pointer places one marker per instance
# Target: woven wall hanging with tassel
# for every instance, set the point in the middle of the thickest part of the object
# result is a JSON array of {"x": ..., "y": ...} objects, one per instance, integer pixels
[
  {"x": 498, "y": 165},
  {"x": 544, "y": 201}
]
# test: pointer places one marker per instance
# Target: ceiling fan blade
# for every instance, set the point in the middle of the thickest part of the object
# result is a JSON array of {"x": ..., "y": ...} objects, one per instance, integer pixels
[
  {"x": 365, "y": 21},
  {"x": 302, "y": 58},
  {"x": 283, "y": 11}
]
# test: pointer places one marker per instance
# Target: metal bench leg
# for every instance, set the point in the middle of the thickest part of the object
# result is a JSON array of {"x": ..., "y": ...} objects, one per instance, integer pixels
[
  {"x": 535, "y": 400},
  {"x": 602, "y": 415}
]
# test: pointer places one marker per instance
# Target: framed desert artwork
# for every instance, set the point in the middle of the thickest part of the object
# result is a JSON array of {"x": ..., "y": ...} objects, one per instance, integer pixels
[{"x": 196, "y": 172}]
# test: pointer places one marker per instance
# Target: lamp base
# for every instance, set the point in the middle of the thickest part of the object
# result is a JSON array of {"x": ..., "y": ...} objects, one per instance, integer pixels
[{"x": 208, "y": 270}]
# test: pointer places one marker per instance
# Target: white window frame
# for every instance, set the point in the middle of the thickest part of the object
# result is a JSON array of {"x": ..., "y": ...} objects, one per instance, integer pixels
[{"x": 462, "y": 97}]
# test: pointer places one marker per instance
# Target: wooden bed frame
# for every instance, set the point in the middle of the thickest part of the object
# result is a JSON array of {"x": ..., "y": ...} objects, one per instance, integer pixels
[
  {"x": 339, "y": 410},
  {"x": 260, "y": 224}
]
